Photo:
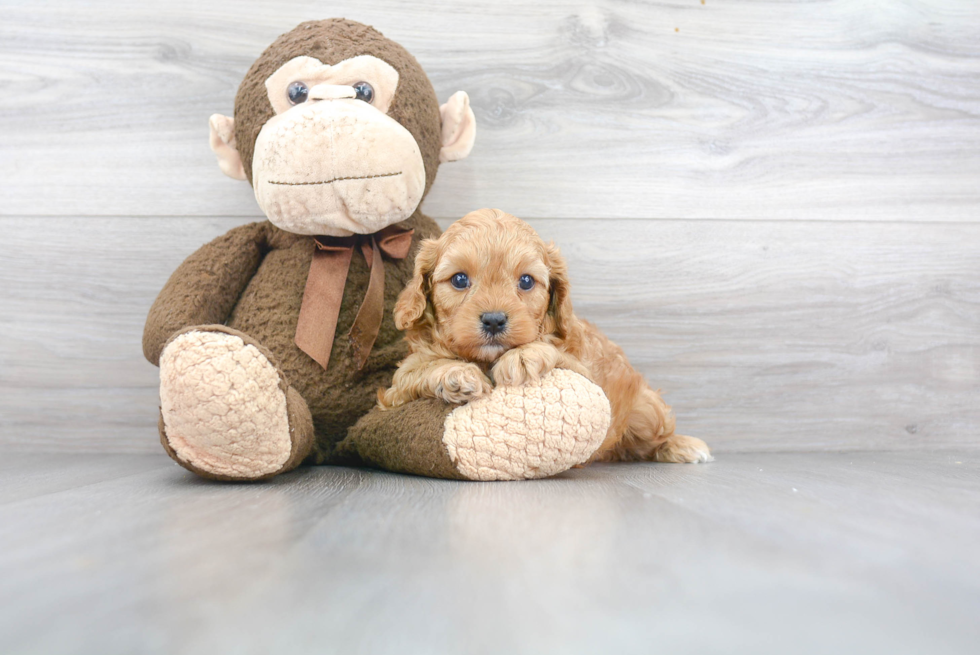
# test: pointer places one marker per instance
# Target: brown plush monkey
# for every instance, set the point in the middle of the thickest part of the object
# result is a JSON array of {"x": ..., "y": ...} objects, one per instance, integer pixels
[{"x": 273, "y": 339}]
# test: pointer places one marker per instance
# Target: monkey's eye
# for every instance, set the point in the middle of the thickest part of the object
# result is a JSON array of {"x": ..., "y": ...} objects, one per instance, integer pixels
[
  {"x": 297, "y": 92},
  {"x": 525, "y": 282},
  {"x": 459, "y": 281},
  {"x": 364, "y": 92}
]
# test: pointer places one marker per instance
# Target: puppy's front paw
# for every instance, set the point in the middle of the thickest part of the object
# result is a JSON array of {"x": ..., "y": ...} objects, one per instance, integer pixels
[
  {"x": 462, "y": 383},
  {"x": 524, "y": 364}
]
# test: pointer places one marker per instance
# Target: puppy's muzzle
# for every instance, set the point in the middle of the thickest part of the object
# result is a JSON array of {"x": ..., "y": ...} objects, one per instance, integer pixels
[{"x": 493, "y": 323}]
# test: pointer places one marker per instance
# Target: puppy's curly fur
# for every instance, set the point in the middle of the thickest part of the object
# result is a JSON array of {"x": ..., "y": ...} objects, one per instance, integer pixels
[{"x": 488, "y": 304}]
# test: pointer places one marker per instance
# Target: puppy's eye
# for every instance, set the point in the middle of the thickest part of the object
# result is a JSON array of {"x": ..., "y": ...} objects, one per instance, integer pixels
[
  {"x": 297, "y": 93},
  {"x": 364, "y": 92},
  {"x": 525, "y": 282},
  {"x": 459, "y": 281}
]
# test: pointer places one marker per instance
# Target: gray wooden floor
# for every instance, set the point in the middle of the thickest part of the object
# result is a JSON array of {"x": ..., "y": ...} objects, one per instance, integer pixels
[{"x": 756, "y": 553}]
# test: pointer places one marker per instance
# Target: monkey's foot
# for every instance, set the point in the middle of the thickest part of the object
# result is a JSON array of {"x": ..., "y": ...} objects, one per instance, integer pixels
[
  {"x": 226, "y": 411},
  {"x": 516, "y": 433}
]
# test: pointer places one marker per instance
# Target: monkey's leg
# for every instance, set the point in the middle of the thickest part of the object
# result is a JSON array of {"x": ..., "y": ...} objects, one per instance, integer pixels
[
  {"x": 516, "y": 433},
  {"x": 226, "y": 411}
]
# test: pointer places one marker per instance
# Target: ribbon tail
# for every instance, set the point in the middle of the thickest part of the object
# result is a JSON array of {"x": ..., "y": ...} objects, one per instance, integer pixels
[
  {"x": 395, "y": 241},
  {"x": 367, "y": 323},
  {"x": 324, "y": 291}
]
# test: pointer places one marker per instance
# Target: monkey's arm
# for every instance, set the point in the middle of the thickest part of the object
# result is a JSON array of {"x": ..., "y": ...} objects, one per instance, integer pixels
[{"x": 204, "y": 289}]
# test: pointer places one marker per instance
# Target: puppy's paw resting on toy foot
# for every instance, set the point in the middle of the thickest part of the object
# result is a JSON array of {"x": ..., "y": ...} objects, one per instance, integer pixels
[
  {"x": 449, "y": 380},
  {"x": 226, "y": 412},
  {"x": 462, "y": 383},
  {"x": 527, "y": 363}
]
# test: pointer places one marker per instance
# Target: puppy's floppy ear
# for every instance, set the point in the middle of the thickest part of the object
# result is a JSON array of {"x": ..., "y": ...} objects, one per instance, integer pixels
[
  {"x": 413, "y": 304},
  {"x": 559, "y": 303}
]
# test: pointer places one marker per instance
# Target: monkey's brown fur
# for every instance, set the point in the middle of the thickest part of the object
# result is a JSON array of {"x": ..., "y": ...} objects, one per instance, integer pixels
[{"x": 252, "y": 279}]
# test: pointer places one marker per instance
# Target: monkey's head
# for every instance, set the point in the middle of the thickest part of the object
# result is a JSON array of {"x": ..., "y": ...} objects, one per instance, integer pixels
[{"x": 339, "y": 131}]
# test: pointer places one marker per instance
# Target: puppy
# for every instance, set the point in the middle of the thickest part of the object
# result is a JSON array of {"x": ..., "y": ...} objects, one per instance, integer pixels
[{"x": 489, "y": 304}]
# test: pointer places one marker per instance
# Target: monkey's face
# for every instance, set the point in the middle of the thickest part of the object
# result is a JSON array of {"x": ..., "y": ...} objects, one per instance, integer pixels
[
  {"x": 331, "y": 161},
  {"x": 341, "y": 148}
]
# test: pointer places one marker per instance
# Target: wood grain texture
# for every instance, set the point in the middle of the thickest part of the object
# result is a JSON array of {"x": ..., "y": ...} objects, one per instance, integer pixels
[
  {"x": 762, "y": 335},
  {"x": 839, "y": 109},
  {"x": 755, "y": 553}
]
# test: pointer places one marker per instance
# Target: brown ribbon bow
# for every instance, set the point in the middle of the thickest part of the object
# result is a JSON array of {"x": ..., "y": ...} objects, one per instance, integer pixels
[{"x": 325, "y": 290}]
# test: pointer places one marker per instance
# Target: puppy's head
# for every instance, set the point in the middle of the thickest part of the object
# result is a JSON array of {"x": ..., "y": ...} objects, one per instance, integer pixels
[{"x": 487, "y": 285}]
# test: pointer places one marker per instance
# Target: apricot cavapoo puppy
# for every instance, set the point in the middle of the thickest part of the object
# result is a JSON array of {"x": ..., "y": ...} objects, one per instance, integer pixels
[{"x": 489, "y": 304}]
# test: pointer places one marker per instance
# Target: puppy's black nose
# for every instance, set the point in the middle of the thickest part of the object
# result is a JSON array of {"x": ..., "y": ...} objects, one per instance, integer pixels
[{"x": 493, "y": 322}]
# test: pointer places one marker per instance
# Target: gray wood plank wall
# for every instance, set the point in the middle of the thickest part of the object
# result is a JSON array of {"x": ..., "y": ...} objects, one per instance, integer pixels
[{"x": 773, "y": 206}]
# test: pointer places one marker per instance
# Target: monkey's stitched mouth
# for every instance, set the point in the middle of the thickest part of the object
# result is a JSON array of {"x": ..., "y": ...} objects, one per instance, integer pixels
[{"x": 336, "y": 179}]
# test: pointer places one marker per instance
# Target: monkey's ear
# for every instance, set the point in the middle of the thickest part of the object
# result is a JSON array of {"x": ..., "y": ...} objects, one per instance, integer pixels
[
  {"x": 458, "y": 128},
  {"x": 223, "y": 144}
]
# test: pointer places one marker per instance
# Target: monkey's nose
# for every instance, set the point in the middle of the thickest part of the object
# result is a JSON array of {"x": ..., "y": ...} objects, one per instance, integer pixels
[
  {"x": 331, "y": 92},
  {"x": 493, "y": 322}
]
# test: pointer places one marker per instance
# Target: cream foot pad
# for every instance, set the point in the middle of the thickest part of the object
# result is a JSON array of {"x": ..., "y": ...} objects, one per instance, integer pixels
[
  {"x": 533, "y": 431},
  {"x": 223, "y": 405}
]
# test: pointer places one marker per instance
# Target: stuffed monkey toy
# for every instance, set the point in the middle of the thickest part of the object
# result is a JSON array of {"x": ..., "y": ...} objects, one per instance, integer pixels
[{"x": 273, "y": 339}]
